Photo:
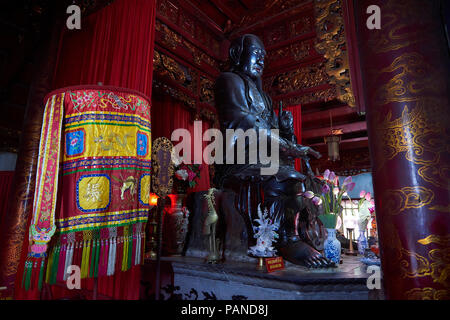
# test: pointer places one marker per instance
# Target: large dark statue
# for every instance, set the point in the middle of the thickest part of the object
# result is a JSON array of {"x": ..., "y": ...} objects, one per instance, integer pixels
[{"x": 242, "y": 104}]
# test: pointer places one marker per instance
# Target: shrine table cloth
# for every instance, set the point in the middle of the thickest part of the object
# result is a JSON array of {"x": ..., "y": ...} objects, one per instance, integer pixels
[{"x": 92, "y": 191}]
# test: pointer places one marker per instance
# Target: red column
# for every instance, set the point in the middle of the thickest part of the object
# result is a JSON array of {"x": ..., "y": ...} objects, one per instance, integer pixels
[{"x": 405, "y": 67}]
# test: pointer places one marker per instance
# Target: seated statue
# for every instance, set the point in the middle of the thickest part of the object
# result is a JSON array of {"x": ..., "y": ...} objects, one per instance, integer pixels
[{"x": 242, "y": 104}]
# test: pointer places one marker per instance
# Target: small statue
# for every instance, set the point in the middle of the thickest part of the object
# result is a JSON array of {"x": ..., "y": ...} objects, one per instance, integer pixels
[
  {"x": 265, "y": 234},
  {"x": 209, "y": 227}
]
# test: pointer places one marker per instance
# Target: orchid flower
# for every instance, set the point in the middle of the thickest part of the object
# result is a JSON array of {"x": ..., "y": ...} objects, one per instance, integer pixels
[
  {"x": 309, "y": 194},
  {"x": 332, "y": 177},
  {"x": 326, "y": 174},
  {"x": 347, "y": 181},
  {"x": 317, "y": 201}
]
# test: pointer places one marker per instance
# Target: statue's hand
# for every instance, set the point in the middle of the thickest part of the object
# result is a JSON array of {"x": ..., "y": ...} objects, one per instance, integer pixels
[{"x": 315, "y": 153}]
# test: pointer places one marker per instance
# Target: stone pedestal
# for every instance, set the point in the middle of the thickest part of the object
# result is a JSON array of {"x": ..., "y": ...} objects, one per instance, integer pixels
[{"x": 195, "y": 280}]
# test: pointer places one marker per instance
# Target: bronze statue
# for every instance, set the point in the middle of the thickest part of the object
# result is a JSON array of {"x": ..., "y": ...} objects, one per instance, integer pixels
[{"x": 242, "y": 104}]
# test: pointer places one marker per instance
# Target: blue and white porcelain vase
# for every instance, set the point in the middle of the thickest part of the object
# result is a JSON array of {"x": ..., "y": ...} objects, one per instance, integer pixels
[
  {"x": 362, "y": 242},
  {"x": 332, "y": 247}
]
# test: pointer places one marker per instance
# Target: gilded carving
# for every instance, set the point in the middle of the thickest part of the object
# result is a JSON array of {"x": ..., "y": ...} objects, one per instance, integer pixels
[
  {"x": 437, "y": 266},
  {"x": 310, "y": 97},
  {"x": 168, "y": 10},
  {"x": 198, "y": 56},
  {"x": 413, "y": 77},
  {"x": 427, "y": 294},
  {"x": 441, "y": 208},
  {"x": 331, "y": 43},
  {"x": 413, "y": 265},
  {"x": 397, "y": 201},
  {"x": 440, "y": 240},
  {"x": 419, "y": 134},
  {"x": 301, "y": 26},
  {"x": 206, "y": 90},
  {"x": 168, "y": 37},
  {"x": 395, "y": 14},
  {"x": 298, "y": 79},
  {"x": 166, "y": 66},
  {"x": 298, "y": 51}
]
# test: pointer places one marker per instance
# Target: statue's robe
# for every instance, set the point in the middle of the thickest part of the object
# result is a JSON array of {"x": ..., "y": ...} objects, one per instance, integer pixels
[{"x": 242, "y": 104}]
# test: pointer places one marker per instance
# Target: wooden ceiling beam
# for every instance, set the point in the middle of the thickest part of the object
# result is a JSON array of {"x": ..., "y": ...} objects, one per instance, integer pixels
[
  {"x": 346, "y": 128},
  {"x": 354, "y": 143},
  {"x": 319, "y": 116},
  {"x": 225, "y": 10}
]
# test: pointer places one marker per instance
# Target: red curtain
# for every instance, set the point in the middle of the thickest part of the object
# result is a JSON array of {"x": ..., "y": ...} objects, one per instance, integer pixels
[
  {"x": 115, "y": 47},
  {"x": 297, "y": 115},
  {"x": 169, "y": 114}
]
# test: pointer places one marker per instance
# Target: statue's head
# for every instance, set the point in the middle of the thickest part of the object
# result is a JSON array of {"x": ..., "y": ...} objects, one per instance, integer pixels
[{"x": 247, "y": 55}]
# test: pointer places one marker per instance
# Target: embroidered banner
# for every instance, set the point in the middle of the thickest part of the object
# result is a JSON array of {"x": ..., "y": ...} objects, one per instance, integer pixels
[{"x": 92, "y": 187}]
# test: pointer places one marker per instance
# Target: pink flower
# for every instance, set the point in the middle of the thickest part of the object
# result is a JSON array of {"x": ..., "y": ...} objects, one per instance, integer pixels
[
  {"x": 335, "y": 191},
  {"x": 332, "y": 176},
  {"x": 191, "y": 175},
  {"x": 326, "y": 174},
  {"x": 309, "y": 194},
  {"x": 368, "y": 196},
  {"x": 372, "y": 202},
  {"x": 362, "y": 193},
  {"x": 350, "y": 186},
  {"x": 347, "y": 181},
  {"x": 372, "y": 210}
]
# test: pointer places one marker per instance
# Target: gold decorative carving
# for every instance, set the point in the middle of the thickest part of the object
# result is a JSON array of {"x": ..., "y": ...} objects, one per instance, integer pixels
[
  {"x": 165, "y": 65},
  {"x": 414, "y": 265},
  {"x": 168, "y": 10},
  {"x": 206, "y": 90},
  {"x": 413, "y": 77},
  {"x": 441, "y": 208},
  {"x": 331, "y": 43},
  {"x": 301, "y": 26},
  {"x": 315, "y": 96},
  {"x": 297, "y": 50},
  {"x": 298, "y": 79},
  {"x": 168, "y": 37},
  {"x": 423, "y": 137},
  {"x": 199, "y": 56},
  {"x": 399, "y": 35},
  {"x": 397, "y": 201},
  {"x": 427, "y": 294}
]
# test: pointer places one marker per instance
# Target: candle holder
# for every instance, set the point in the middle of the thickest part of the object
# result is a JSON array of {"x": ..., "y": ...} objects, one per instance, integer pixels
[
  {"x": 350, "y": 251},
  {"x": 152, "y": 227},
  {"x": 260, "y": 266}
]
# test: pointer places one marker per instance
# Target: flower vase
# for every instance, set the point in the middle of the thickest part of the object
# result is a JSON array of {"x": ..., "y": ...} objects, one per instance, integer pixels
[
  {"x": 362, "y": 242},
  {"x": 332, "y": 247},
  {"x": 175, "y": 228}
]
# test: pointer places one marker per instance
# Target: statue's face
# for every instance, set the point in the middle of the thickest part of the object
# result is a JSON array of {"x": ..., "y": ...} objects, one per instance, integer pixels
[{"x": 252, "y": 59}]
